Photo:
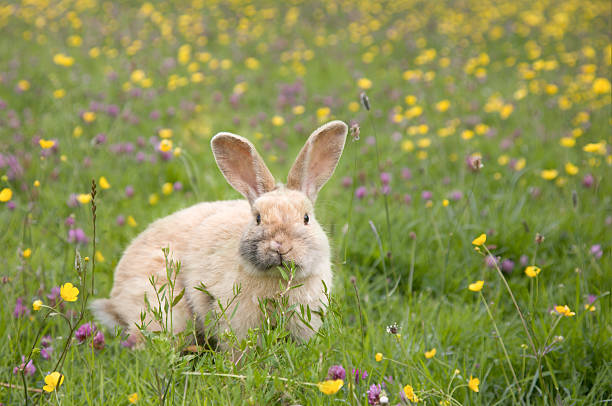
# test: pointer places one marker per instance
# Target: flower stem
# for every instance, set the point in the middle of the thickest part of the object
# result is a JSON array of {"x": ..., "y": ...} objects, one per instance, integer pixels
[{"x": 501, "y": 341}]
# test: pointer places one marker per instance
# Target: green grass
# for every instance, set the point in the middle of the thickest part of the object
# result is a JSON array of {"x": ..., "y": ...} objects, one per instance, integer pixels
[{"x": 313, "y": 55}]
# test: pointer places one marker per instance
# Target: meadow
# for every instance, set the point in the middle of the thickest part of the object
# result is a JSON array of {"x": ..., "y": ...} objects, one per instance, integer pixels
[{"x": 470, "y": 215}]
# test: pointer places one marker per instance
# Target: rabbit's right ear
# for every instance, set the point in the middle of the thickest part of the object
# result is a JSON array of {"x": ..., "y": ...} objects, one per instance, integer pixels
[
  {"x": 242, "y": 166},
  {"x": 318, "y": 158}
]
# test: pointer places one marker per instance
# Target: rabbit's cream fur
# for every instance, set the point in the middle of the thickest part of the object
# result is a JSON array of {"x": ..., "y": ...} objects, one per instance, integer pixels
[{"x": 222, "y": 246}]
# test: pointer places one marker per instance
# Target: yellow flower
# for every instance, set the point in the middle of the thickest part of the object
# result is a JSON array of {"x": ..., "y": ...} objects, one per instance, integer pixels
[
  {"x": 133, "y": 398},
  {"x": 27, "y": 253},
  {"x": 53, "y": 381},
  {"x": 252, "y": 63},
  {"x": 506, "y": 111},
  {"x": 6, "y": 194},
  {"x": 297, "y": 110},
  {"x": 63, "y": 60},
  {"x": 69, "y": 292},
  {"x": 46, "y": 144},
  {"x": 353, "y": 106},
  {"x": 84, "y": 198},
  {"x": 153, "y": 199},
  {"x": 481, "y": 128},
  {"x": 549, "y": 174},
  {"x": 89, "y": 116},
  {"x": 323, "y": 112},
  {"x": 104, "y": 183},
  {"x": 36, "y": 183},
  {"x": 378, "y": 357},
  {"x": 23, "y": 85},
  {"x": 601, "y": 86},
  {"x": 364, "y": 83},
  {"x": 277, "y": 121},
  {"x": 467, "y": 134},
  {"x": 131, "y": 222},
  {"x": 36, "y": 305},
  {"x": 77, "y": 132},
  {"x": 99, "y": 256},
  {"x": 167, "y": 188},
  {"x": 430, "y": 354},
  {"x": 445, "y": 202},
  {"x": 443, "y": 105},
  {"x": 565, "y": 311},
  {"x": 59, "y": 93},
  {"x": 330, "y": 387},
  {"x": 165, "y": 133},
  {"x": 410, "y": 395},
  {"x": 589, "y": 307},
  {"x": 532, "y": 271},
  {"x": 165, "y": 145},
  {"x": 476, "y": 286},
  {"x": 407, "y": 145},
  {"x": 567, "y": 142},
  {"x": 571, "y": 169},
  {"x": 473, "y": 384},
  {"x": 410, "y": 99},
  {"x": 480, "y": 240},
  {"x": 596, "y": 147}
]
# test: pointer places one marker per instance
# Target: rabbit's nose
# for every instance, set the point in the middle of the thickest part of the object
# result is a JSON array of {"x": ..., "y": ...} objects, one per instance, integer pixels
[{"x": 275, "y": 245}]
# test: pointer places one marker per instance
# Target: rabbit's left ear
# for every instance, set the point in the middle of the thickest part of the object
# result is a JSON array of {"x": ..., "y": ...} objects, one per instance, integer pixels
[
  {"x": 317, "y": 160},
  {"x": 242, "y": 166}
]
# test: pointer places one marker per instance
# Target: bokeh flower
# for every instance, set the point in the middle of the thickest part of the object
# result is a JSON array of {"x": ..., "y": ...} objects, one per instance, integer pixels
[
  {"x": 480, "y": 240},
  {"x": 476, "y": 286},
  {"x": 532, "y": 271},
  {"x": 474, "y": 383},
  {"x": 28, "y": 369},
  {"x": 5, "y": 195}
]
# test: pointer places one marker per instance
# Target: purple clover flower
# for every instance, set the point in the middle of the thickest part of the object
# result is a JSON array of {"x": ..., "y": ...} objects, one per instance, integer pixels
[
  {"x": 77, "y": 235},
  {"x": 374, "y": 394},
  {"x": 359, "y": 375},
  {"x": 360, "y": 192},
  {"x": 507, "y": 265},
  {"x": 336, "y": 372},
  {"x": 85, "y": 331},
  {"x": 45, "y": 352},
  {"x": 98, "y": 341},
  {"x": 29, "y": 369},
  {"x": 596, "y": 251},
  {"x": 20, "y": 309}
]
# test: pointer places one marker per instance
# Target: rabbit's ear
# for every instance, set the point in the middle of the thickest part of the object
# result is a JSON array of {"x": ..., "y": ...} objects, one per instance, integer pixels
[
  {"x": 242, "y": 166},
  {"x": 318, "y": 158}
]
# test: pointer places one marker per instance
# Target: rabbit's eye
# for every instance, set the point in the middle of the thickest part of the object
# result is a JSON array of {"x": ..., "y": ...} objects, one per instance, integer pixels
[
  {"x": 258, "y": 219},
  {"x": 306, "y": 218}
]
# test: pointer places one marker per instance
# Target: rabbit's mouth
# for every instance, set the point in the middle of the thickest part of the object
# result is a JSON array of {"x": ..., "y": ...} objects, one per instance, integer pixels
[{"x": 266, "y": 259}]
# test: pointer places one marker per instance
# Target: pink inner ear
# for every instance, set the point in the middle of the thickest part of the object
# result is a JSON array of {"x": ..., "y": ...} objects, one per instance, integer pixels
[
  {"x": 317, "y": 160},
  {"x": 242, "y": 166},
  {"x": 236, "y": 163},
  {"x": 323, "y": 157}
]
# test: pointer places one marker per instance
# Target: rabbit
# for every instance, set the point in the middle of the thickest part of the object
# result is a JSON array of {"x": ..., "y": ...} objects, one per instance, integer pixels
[{"x": 224, "y": 244}]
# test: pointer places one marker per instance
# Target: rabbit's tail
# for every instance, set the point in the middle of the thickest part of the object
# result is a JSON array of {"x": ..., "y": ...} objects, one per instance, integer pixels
[{"x": 104, "y": 311}]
